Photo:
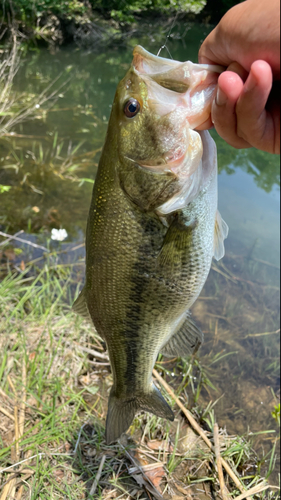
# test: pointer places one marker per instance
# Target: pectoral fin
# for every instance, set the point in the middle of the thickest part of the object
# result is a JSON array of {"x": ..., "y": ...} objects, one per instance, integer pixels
[
  {"x": 186, "y": 341},
  {"x": 221, "y": 232},
  {"x": 174, "y": 251}
]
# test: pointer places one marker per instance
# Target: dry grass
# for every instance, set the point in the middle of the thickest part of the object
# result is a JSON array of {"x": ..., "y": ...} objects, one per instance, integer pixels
[{"x": 54, "y": 383}]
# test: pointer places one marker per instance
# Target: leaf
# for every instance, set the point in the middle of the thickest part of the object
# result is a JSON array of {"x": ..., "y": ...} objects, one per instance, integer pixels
[
  {"x": 92, "y": 390},
  {"x": 156, "y": 475},
  {"x": 4, "y": 189},
  {"x": 158, "y": 445},
  {"x": 91, "y": 181},
  {"x": 10, "y": 254},
  {"x": 142, "y": 481},
  {"x": 139, "y": 473}
]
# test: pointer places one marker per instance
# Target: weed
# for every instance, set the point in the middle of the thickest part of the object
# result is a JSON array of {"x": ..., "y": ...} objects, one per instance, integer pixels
[
  {"x": 15, "y": 108},
  {"x": 60, "y": 404}
]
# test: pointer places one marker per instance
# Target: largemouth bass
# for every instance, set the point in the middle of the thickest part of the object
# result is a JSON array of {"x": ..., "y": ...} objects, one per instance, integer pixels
[{"x": 153, "y": 228}]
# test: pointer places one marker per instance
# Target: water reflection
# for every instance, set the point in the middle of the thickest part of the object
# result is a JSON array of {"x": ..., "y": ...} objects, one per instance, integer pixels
[
  {"x": 262, "y": 166},
  {"x": 36, "y": 170}
]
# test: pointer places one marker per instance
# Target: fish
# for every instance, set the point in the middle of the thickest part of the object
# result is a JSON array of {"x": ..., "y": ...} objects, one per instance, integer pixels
[{"x": 153, "y": 228}]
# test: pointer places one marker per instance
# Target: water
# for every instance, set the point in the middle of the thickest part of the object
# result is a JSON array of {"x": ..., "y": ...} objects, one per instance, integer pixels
[{"x": 239, "y": 310}]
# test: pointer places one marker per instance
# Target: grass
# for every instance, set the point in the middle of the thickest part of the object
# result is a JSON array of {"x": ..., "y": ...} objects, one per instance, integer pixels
[{"x": 53, "y": 399}]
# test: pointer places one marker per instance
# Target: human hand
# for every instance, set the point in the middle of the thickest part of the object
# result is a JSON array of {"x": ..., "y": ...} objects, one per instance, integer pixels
[{"x": 246, "y": 110}]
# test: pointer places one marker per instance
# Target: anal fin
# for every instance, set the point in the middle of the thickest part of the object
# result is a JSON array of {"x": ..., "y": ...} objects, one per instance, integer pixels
[
  {"x": 221, "y": 232},
  {"x": 185, "y": 341}
]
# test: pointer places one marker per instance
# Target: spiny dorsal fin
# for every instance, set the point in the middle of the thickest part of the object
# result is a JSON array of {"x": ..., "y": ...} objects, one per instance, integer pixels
[
  {"x": 221, "y": 232},
  {"x": 185, "y": 341},
  {"x": 80, "y": 306}
]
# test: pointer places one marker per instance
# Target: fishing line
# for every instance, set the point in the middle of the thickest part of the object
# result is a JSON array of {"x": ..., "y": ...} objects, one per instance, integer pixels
[{"x": 165, "y": 46}]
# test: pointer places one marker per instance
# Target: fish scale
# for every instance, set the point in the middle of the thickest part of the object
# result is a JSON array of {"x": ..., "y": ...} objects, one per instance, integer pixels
[{"x": 152, "y": 231}]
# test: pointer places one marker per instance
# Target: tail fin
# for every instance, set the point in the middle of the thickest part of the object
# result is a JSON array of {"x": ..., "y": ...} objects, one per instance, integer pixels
[
  {"x": 120, "y": 415},
  {"x": 121, "y": 411}
]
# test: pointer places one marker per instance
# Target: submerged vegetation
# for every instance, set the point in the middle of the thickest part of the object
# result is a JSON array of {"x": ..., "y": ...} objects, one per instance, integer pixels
[{"x": 17, "y": 107}]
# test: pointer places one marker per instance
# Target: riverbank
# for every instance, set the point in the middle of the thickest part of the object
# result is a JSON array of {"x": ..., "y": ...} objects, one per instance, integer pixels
[{"x": 93, "y": 22}]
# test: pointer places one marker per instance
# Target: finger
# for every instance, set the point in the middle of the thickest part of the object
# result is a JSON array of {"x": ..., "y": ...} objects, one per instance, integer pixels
[
  {"x": 254, "y": 123},
  {"x": 206, "y": 125},
  {"x": 208, "y": 52},
  {"x": 230, "y": 86},
  {"x": 235, "y": 67},
  {"x": 273, "y": 108},
  {"x": 217, "y": 46}
]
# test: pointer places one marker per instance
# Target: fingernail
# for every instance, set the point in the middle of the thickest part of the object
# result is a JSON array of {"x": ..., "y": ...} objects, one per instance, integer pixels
[{"x": 221, "y": 98}]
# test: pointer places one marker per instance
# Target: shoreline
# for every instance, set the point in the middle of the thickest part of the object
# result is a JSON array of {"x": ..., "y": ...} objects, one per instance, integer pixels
[{"x": 92, "y": 29}]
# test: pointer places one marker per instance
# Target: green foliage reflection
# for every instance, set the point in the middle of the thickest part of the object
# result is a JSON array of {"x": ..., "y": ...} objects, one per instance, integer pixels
[{"x": 263, "y": 167}]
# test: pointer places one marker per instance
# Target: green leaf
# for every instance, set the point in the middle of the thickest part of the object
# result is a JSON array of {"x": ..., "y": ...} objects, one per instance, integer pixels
[
  {"x": 92, "y": 390},
  {"x": 4, "y": 189},
  {"x": 276, "y": 413}
]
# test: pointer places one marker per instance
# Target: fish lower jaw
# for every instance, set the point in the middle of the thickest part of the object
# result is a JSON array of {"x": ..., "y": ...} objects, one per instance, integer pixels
[
  {"x": 182, "y": 161},
  {"x": 171, "y": 161}
]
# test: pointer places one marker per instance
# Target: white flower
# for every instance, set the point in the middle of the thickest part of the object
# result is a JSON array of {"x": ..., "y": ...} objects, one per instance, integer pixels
[{"x": 58, "y": 234}]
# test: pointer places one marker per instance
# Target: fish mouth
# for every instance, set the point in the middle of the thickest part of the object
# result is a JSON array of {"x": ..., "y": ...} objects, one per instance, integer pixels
[
  {"x": 183, "y": 161},
  {"x": 149, "y": 64},
  {"x": 172, "y": 84},
  {"x": 171, "y": 159}
]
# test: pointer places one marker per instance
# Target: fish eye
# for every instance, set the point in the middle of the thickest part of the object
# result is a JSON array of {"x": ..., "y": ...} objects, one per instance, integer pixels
[{"x": 131, "y": 108}]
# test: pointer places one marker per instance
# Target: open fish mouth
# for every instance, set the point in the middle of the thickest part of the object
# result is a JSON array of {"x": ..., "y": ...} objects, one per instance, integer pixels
[
  {"x": 178, "y": 96},
  {"x": 182, "y": 162},
  {"x": 171, "y": 159},
  {"x": 173, "y": 84},
  {"x": 155, "y": 66},
  {"x": 166, "y": 72}
]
